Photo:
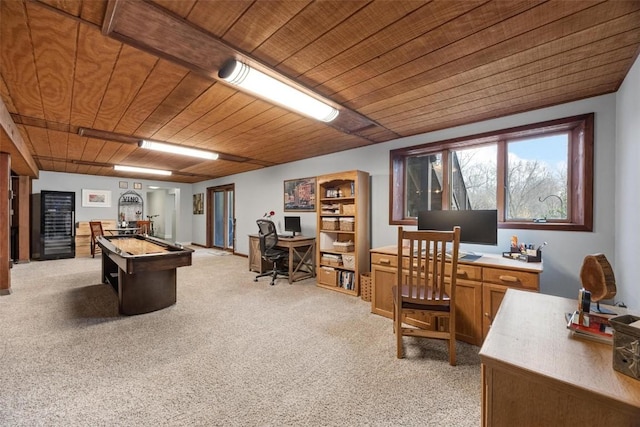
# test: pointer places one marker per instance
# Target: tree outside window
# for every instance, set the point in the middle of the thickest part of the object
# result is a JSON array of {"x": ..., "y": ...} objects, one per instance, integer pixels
[{"x": 527, "y": 173}]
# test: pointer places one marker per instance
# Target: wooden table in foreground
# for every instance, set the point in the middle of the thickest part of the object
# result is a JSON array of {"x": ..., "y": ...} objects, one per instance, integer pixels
[
  {"x": 142, "y": 270},
  {"x": 535, "y": 374}
]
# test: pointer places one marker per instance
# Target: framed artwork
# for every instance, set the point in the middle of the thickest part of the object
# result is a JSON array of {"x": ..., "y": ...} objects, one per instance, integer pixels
[
  {"x": 96, "y": 198},
  {"x": 300, "y": 195},
  {"x": 124, "y": 184},
  {"x": 198, "y": 204},
  {"x": 137, "y": 186}
]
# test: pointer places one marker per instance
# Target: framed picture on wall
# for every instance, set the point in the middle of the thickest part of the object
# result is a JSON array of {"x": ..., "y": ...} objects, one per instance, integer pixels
[
  {"x": 124, "y": 184},
  {"x": 300, "y": 195},
  {"x": 198, "y": 204},
  {"x": 137, "y": 186},
  {"x": 96, "y": 198}
]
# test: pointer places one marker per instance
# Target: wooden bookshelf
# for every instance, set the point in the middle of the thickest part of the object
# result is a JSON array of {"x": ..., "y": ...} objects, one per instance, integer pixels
[{"x": 342, "y": 244}]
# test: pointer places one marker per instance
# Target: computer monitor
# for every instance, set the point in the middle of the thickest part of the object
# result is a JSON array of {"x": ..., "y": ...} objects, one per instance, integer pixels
[
  {"x": 476, "y": 226},
  {"x": 292, "y": 223}
]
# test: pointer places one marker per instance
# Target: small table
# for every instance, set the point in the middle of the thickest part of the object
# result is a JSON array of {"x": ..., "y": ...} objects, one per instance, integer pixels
[{"x": 302, "y": 255}]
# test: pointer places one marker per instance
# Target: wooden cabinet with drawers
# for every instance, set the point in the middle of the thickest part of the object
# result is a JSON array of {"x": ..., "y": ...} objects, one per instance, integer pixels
[{"x": 481, "y": 285}]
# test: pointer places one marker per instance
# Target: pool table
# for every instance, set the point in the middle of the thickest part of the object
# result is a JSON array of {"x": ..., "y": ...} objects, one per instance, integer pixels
[{"x": 142, "y": 271}]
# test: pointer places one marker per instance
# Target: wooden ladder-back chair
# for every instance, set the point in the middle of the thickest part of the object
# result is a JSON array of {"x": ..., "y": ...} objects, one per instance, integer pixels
[
  {"x": 144, "y": 227},
  {"x": 96, "y": 230},
  {"x": 429, "y": 287}
]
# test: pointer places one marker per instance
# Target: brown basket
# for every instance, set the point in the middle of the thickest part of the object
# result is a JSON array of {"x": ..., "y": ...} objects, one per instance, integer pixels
[
  {"x": 346, "y": 225},
  {"x": 348, "y": 209},
  {"x": 330, "y": 262},
  {"x": 330, "y": 224},
  {"x": 365, "y": 286},
  {"x": 343, "y": 246}
]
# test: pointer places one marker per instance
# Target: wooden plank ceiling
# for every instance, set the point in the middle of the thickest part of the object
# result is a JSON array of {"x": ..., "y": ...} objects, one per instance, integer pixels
[{"x": 84, "y": 80}]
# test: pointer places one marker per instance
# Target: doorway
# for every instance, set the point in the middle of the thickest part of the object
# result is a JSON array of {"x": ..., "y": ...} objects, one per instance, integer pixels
[{"x": 221, "y": 217}]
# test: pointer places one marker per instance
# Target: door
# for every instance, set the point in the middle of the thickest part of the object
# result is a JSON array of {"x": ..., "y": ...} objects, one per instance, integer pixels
[{"x": 221, "y": 217}]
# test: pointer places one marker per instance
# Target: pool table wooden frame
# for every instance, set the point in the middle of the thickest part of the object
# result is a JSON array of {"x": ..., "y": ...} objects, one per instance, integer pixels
[{"x": 142, "y": 271}]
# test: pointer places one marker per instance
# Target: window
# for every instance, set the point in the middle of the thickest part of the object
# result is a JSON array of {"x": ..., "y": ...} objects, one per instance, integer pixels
[
  {"x": 538, "y": 176},
  {"x": 536, "y": 181}
]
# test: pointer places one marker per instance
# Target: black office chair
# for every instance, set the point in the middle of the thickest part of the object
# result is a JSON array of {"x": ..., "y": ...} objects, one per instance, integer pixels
[{"x": 269, "y": 252}]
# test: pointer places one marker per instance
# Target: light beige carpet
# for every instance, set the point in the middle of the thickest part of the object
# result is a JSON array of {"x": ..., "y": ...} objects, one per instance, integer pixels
[{"x": 231, "y": 352}]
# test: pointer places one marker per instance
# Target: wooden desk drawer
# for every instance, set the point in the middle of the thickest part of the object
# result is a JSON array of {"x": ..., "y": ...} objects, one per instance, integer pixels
[
  {"x": 385, "y": 260},
  {"x": 468, "y": 272},
  {"x": 511, "y": 278}
]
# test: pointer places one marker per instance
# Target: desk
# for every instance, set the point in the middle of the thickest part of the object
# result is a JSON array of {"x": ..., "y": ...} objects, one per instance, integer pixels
[
  {"x": 480, "y": 287},
  {"x": 302, "y": 256},
  {"x": 142, "y": 270},
  {"x": 535, "y": 374}
]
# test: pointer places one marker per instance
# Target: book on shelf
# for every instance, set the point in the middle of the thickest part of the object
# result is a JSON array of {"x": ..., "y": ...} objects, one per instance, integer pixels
[
  {"x": 590, "y": 326},
  {"x": 346, "y": 280}
]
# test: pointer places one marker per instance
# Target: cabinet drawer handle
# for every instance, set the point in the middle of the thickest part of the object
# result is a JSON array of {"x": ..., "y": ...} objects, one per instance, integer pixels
[
  {"x": 385, "y": 261},
  {"x": 510, "y": 279},
  {"x": 461, "y": 273},
  {"x": 415, "y": 266}
]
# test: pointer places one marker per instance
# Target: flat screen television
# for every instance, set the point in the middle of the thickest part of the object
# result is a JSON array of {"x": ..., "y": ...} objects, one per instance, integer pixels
[
  {"x": 292, "y": 224},
  {"x": 478, "y": 227}
]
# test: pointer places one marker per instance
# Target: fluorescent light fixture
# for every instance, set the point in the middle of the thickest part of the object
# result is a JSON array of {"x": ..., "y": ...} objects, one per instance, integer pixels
[
  {"x": 177, "y": 149},
  {"x": 141, "y": 170},
  {"x": 258, "y": 83}
]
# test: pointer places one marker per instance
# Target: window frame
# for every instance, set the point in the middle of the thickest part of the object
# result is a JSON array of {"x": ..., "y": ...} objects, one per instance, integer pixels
[{"x": 579, "y": 171}]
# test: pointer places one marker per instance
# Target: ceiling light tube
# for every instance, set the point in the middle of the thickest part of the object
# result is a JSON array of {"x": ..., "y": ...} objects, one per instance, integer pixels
[
  {"x": 140, "y": 170},
  {"x": 258, "y": 83},
  {"x": 177, "y": 149}
]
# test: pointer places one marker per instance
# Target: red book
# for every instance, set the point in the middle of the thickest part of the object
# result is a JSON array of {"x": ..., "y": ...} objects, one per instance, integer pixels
[{"x": 593, "y": 326}]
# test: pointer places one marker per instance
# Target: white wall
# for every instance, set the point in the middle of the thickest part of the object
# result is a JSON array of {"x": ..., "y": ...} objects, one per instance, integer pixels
[
  {"x": 76, "y": 182},
  {"x": 260, "y": 191},
  {"x": 627, "y": 202}
]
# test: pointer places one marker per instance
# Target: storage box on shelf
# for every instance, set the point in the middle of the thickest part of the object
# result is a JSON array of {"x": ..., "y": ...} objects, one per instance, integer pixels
[
  {"x": 332, "y": 260},
  {"x": 348, "y": 209},
  {"x": 349, "y": 261},
  {"x": 347, "y": 224},
  {"x": 347, "y": 246},
  {"x": 330, "y": 224},
  {"x": 343, "y": 230},
  {"x": 328, "y": 276}
]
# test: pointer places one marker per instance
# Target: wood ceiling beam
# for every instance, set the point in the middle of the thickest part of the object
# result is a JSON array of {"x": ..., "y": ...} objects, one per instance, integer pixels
[
  {"x": 114, "y": 136},
  {"x": 152, "y": 29},
  {"x": 11, "y": 142}
]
